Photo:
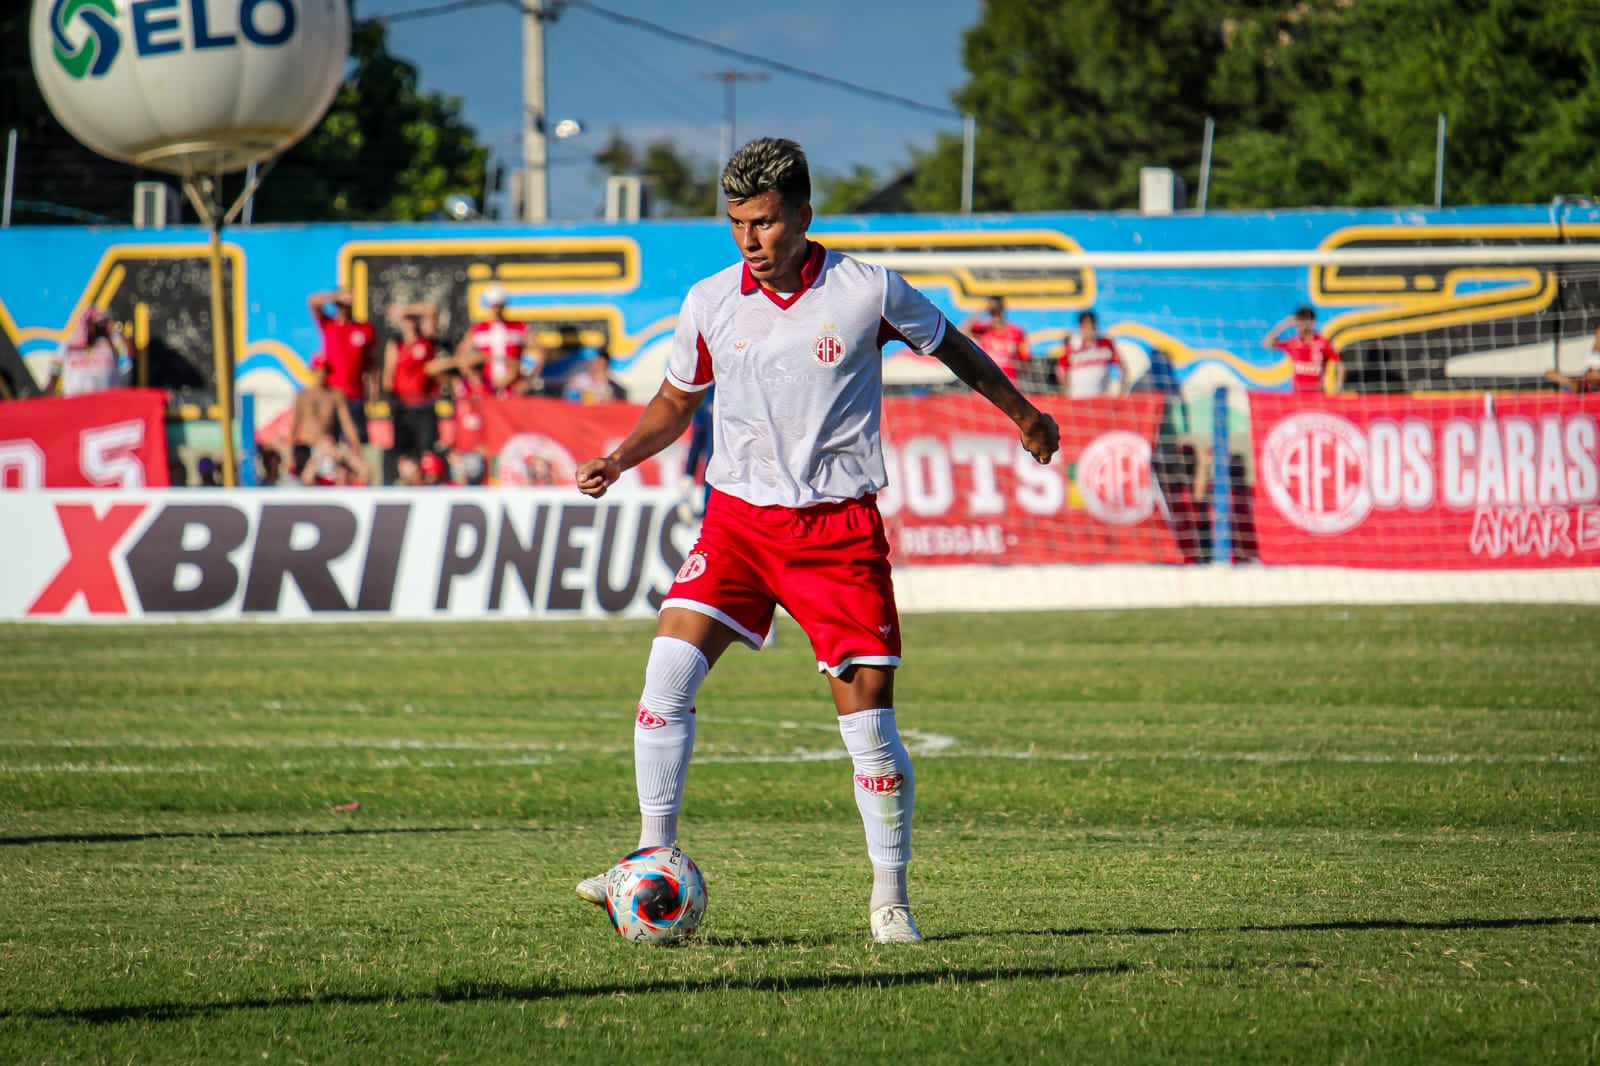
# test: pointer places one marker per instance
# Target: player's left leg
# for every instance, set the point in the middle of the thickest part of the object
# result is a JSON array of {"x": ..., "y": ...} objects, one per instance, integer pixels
[{"x": 885, "y": 791}]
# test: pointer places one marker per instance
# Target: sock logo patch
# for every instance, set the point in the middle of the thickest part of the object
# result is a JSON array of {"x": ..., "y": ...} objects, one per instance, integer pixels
[
  {"x": 886, "y": 785},
  {"x": 649, "y": 719}
]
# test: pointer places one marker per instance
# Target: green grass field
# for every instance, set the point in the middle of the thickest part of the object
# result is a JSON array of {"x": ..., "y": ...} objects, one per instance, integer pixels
[{"x": 1298, "y": 835}]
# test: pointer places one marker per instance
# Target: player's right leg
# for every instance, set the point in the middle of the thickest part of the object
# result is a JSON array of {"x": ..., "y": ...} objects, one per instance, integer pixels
[{"x": 686, "y": 644}]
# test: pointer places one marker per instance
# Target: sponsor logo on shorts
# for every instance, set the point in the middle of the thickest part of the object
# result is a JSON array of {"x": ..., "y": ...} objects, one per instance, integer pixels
[
  {"x": 649, "y": 719},
  {"x": 887, "y": 785},
  {"x": 885, "y": 629},
  {"x": 692, "y": 567}
]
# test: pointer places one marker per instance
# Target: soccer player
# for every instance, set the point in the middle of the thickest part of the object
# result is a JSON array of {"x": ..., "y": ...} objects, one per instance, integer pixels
[
  {"x": 792, "y": 336},
  {"x": 1310, "y": 354}
]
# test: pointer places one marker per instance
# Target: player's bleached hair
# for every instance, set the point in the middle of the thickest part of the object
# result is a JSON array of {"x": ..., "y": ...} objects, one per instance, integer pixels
[{"x": 771, "y": 163}]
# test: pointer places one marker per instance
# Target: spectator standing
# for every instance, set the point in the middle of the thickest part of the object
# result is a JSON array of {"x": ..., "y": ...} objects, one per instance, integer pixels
[
  {"x": 95, "y": 358},
  {"x": 793, "y": 337},
  {"x": 1002, "y": 340},
  {"x": 1087, "y": 360},
  {"x": 498, "y": 356},
  {"x": 320, "y": 411},
  {"x": 349, "y": 345},
  {"x": 1313, "y": 360},
  {"x": 412, "y": 369}
]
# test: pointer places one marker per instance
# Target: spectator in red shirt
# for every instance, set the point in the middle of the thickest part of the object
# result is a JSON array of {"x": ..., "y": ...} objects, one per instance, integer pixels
[
  {"x": 1002, "y": 341},
  {"x": 498, "y": 356},
  {"x": 1313, "y": 360},
  {"x": 412, "y": 370},
  {"x": 348, "y": 345}
]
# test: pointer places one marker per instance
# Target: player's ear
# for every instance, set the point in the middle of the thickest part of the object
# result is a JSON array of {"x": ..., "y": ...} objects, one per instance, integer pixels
[{"x": 806, "y": 215}]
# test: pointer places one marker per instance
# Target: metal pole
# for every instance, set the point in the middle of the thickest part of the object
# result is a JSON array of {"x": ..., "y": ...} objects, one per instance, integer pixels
[
  {"x": 1221, "y": 481},
  {"x": 535, "y": 158},
  {"x": 11, "y": 174},
  {"x": 969, "y": 152},
  {"x": 1438, "y": 164},
  {"x": 730, "y": 80},
  {"x": 1205, "y": 162},
  {"x": 250, "y": 183},
  {"x": 209, "y": 208}
]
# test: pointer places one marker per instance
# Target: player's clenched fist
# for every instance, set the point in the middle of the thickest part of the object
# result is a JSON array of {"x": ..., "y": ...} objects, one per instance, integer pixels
[
  {"x": 597, "y": 475},
  {"x": 1042, "y": 438}
]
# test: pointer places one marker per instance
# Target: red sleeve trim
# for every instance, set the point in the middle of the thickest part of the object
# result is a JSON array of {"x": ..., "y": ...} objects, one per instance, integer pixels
[{"x": 702, "y": 366}]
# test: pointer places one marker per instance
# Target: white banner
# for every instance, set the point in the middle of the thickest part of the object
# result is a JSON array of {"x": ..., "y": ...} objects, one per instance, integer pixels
[{"x": 324, "y": 554}]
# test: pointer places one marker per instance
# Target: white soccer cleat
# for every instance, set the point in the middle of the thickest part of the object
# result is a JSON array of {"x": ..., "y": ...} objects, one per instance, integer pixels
[
  {"x": 893, "y": 924},
  {"x": 593, "y": 889}
]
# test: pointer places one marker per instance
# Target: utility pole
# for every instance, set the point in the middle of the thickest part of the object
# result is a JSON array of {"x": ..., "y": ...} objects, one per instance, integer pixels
[
  {"x": 730, "y": 80},
  {"x": 535, "y": 152}
]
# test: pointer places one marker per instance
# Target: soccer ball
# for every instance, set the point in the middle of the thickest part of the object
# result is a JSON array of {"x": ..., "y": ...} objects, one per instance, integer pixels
[{"x": 656, "y": 896}]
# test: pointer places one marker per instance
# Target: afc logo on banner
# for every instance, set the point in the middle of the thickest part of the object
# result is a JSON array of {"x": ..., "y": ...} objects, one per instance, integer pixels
[
  {"x": 1325, "y": 474},
  {"x": 1113, "y": 474}
]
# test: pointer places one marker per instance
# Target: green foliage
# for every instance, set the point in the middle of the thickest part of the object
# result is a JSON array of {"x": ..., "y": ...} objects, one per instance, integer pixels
[
  {"x": 681, "y": 185},
  {"x": 1362, "y": 835},
  {"x": 385, "y": 151},
  {"x": 1319, "y": 103}
]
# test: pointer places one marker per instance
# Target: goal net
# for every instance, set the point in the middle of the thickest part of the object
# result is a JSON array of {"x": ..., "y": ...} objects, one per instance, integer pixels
[{"x": 1459, "y": 458}]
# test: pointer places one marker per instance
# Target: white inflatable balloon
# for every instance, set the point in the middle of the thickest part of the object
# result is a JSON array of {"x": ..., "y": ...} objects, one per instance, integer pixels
[{"x": 189, "y": 86}]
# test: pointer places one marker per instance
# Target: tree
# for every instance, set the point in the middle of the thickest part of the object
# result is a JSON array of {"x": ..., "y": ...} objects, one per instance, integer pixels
[
  {"x": 1518, "y": 83},
  {"x": 681, "y": 185},
  {"x": 384, "y": 151},
  {"x": 1073, "y": 98},
  {"x": 1328, "y": 102}
]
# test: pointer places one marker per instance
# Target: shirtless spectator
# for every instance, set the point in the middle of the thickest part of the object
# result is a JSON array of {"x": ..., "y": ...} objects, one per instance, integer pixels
[{"x": 320, "y": 412}]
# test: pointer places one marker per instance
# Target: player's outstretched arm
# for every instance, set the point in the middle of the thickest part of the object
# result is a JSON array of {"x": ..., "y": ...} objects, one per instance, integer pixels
[
  {"x": 665, "y": 418},
  {"x": 1040, "y": 435}
]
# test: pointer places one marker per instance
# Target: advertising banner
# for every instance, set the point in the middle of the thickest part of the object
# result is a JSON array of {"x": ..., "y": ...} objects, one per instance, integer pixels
[
  {"x": 961, "y": 489},
  {"x": 114, "y": 439},
  {"x": 299, "y": 554},
  {"x": 1458, "y": 483}
]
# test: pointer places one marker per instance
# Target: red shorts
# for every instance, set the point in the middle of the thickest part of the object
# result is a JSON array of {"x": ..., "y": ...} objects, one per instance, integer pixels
[{"x": 828, "y": 566}]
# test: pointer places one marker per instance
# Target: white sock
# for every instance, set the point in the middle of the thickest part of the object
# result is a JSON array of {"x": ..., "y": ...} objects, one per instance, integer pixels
[
  {"x": 663, "y": 736},
  {"x": 885, "y": 788}
]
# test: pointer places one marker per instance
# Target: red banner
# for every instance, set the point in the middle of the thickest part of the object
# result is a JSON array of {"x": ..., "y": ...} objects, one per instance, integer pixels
[
  {"x": 540, "y": 441},
  {"x": 961, "y": 489},
  {"x": 114, "y": 439},
  {"x": 1459, "y": 483}
]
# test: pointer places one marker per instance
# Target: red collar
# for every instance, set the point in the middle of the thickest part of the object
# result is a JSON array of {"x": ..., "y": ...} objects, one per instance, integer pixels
[{"x": 810, "y": 270}]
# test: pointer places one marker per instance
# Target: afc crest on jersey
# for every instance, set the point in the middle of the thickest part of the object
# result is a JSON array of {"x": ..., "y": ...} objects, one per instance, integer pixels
[{"x": 828, "y": 348}]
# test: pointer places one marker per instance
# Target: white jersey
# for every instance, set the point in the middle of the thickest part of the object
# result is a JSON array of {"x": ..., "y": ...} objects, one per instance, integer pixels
[
  {"x": 1088, "y": 367},
  {"x": 800, "y": 377},
  {"x": 95, "y": 368}
]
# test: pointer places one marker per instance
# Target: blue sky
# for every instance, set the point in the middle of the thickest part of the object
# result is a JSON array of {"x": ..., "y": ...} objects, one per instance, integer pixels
[{"x": 611, "y": 75}]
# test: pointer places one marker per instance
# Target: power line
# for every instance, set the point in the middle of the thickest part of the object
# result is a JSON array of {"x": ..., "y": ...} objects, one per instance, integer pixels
[
  {"x": 751, "y": 57},
  {"x": 438, "y": 9},
  {"x": 682, "y": 38}
]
